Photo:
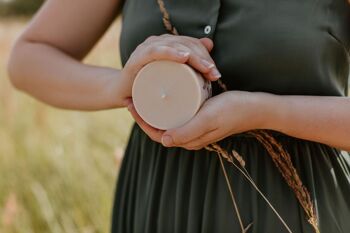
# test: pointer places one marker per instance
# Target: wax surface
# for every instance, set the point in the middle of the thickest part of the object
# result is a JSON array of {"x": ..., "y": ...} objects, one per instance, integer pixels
[{"x": 168, "y": 94}]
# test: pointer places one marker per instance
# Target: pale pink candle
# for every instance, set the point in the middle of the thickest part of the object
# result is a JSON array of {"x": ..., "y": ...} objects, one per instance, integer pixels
[{"x": 168, "y": 94}]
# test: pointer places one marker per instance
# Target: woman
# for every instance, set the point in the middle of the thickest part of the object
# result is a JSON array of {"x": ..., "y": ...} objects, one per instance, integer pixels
[{"x": 286, "y": 65}]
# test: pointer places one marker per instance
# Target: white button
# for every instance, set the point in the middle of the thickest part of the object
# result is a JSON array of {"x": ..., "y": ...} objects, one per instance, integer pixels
[{"x": 207, "y": 29}]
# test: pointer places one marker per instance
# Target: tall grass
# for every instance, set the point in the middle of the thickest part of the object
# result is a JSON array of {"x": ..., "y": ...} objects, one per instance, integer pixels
[{"x": 57, "y": 168}]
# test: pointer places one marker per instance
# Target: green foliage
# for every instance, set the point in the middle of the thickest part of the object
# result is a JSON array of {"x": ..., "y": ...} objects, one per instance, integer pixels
[{"x": 19, "y": 7}]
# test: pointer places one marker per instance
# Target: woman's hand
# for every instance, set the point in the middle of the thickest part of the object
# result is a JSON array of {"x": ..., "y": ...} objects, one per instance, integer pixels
[
  {"x": 154, "y": 133},
  {"x": 182, "y": 49},
  {"x": 221, "y": 116}
]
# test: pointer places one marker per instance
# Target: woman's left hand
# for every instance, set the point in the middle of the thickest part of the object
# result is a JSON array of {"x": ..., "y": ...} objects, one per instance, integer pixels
[{"x": 220, "y": 116}]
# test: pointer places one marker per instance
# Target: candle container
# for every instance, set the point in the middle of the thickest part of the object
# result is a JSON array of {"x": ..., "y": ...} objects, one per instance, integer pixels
[{"x": 168, "y": 94}]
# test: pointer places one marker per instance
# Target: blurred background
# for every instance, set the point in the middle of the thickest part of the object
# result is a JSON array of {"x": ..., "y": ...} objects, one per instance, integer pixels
[{"x": 58, "y": 168}]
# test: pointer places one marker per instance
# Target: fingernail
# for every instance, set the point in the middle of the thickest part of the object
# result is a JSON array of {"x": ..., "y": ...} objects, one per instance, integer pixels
[
  {"x": 214, "y": 72},
  {"x": 207, "y": 64},
  {"x": 167, "y": 140},
  {"x": 183, "y": 53}
]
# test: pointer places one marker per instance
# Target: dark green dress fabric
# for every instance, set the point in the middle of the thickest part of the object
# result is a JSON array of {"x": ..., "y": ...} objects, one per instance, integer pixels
[{"x": 295, "y": 47}]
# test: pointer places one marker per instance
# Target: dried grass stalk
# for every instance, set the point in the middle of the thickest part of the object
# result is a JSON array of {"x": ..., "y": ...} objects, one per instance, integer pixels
[
  {"x": 280, "y": 157},
  {"x": 229, "y": 186},
  {"x": 166, "y": 19},
  {"x": 241, "y": 168},
  {"x": 283, "y": 162}
]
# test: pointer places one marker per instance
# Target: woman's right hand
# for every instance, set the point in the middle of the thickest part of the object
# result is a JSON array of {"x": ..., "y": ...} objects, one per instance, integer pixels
[{"x": 182, "y": 49}]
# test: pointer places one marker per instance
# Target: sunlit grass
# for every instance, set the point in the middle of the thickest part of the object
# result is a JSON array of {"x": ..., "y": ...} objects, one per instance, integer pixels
[{"x": 58, "y": 168}]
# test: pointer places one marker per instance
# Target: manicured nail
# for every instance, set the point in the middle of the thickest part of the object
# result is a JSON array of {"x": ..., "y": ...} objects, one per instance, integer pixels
[
  {"x": 183, "y": 53},
  {"x": 167, "y": 140},
  {"x": 214, "y": 72},
  {"x": 207, "y": 64}
]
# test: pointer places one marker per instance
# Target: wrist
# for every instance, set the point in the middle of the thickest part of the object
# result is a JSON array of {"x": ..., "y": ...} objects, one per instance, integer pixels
[
  {"x": 254, "y": 110},
  {"x": 114, "y": 91},
  {"x": 269, "y": 111}
]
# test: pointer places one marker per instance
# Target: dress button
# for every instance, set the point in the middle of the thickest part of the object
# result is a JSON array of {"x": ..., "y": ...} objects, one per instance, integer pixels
[{"x": 207, "y": 29}]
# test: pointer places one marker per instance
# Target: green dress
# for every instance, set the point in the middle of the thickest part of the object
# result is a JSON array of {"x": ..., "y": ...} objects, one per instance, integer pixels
[{"x": 294, "y": 47}]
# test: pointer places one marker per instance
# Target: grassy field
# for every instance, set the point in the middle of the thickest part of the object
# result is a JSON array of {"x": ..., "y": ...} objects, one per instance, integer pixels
[{"x": 58, "y": 168}]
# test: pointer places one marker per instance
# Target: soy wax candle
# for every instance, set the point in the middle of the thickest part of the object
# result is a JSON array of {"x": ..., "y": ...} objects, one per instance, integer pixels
[{"x": 168, "y": 94}]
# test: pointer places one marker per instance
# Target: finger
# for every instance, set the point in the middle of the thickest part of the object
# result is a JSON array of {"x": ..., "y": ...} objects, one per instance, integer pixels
[
  {"x": 208, "y": 69},
  {"x": 190, "y": 131},
  {"x": 207, "y": 42},
  {"x": 214, "y": 73},
  {"x": 201, "y": 46},
  {"x": 202, "y": 57},
  {"x": 146, "y": 55},
  {"x": 199, "y": 58},
  {"x": 204, "y": 140},
  {"x": 127, "y": 101},
  {"x": 153, "y": 133}
]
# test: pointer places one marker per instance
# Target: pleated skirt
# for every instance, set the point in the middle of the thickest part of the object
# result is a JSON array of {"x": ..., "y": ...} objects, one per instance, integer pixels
[{"x": 174, "y": 190}]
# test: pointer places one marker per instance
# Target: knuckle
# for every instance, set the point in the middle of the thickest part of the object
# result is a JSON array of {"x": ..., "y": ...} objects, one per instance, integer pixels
[
  {"x": 134, "y": 56},
  {"x": 140, "y": 46},
  {"x": 165, "y": 50},
  {"x": 139, "y": 49},
  {"x": 150, "y": 38},
  {"x": 152, "y": 50},
  {"x": 166, "y": 35},
  {"x": 160, "y": 50}
]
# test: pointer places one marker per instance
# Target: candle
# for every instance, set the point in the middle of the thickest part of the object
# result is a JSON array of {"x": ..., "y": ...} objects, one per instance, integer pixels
[{"x": 168, "y": 94}]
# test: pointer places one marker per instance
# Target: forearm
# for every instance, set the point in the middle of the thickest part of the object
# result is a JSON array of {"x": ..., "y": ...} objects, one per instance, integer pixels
[
  {"x": 55, "y": 78},
  {"x": 324, "y": 119}
]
